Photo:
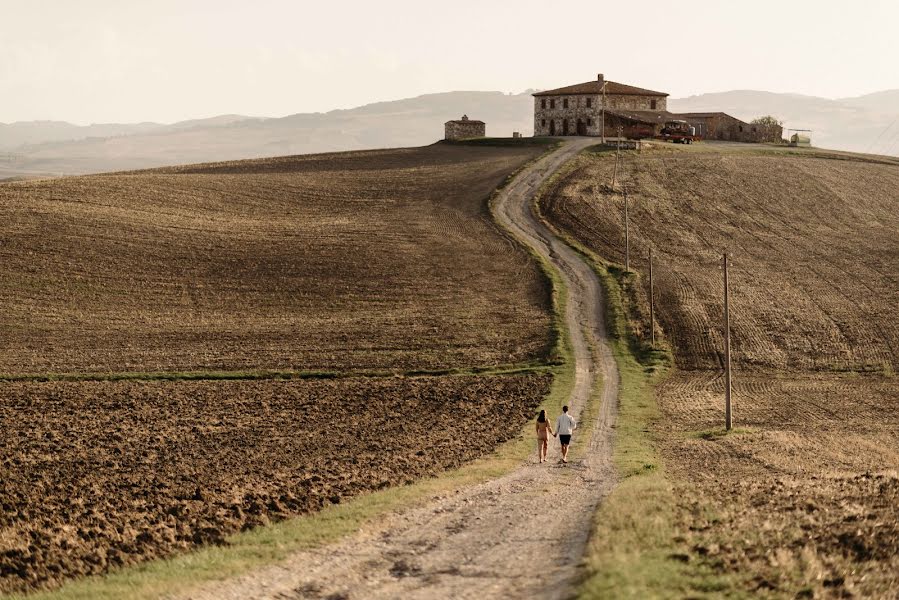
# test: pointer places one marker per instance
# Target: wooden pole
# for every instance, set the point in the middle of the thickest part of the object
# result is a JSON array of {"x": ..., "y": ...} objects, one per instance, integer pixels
[
  {"x": 615, "y": 173},
  {"x": 727, "y": 377},
  {"x": 627, "y": 236},
  {"x": 617, "y": 160},
  {"x": 652, "y": 315},
  {"x": 603, "y": 128}
]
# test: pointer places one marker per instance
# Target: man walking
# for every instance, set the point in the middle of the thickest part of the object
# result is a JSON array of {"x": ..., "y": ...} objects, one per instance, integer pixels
[{"x": 565, "y": 425}]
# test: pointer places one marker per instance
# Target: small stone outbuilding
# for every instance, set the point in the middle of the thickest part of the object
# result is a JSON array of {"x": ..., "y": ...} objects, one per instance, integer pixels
[{"x": 464, "y": 129}]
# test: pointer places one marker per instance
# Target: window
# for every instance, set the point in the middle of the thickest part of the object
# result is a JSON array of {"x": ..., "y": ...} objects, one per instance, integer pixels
[
  {"x": 741, "y": 128},
  {"x": 753, "y": 130},
  {"x": 552, "y": 103},
  {"x": 565, "y": 103},
  {"x": 589, "y": 103},
  {"x": 652, "y": 104},
  {"x": 543, "y": 103},
  {"x": 589, "y": 120},
  {"x": 543, "y": 123}
]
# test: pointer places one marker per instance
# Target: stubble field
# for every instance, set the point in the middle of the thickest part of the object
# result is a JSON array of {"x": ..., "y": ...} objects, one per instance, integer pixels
[
  {"x": 382, "y": 264},
  {"x": 802, "y": 498}
]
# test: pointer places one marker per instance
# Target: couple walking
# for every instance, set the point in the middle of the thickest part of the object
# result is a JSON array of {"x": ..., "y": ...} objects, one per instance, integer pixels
[{"x": 565, "y": 426}]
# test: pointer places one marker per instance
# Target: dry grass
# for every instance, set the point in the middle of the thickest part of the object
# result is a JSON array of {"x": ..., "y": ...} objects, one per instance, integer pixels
[{"x": 368, "y": 260}]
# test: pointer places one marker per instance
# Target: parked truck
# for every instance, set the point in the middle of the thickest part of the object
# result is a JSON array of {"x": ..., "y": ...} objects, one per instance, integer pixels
[{"x": 678, "y": 132}]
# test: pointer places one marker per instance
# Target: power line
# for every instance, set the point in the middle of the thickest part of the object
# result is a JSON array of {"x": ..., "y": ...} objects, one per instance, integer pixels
[{"x": 874, "y": 143}]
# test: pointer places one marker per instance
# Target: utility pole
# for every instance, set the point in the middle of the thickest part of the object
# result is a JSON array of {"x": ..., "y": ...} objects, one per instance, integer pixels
[
  {"x": 627, "y": 237},
  {"x": 727, "y": 379},
  {"x": 652, "y": 305},
  {"x": 603, "y": 129},
  {"x": 617, "y": 160}
]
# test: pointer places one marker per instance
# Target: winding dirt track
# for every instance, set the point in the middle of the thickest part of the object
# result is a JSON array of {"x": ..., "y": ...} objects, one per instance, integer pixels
[{"x": 520, "y": 536}]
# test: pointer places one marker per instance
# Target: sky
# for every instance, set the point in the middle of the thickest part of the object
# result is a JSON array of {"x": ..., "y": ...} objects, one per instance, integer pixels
[{"x": 102, "y": 61}]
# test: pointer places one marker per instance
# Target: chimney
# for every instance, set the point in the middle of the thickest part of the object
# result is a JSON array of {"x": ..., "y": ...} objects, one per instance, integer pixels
[{"x": 600, "y": 78}]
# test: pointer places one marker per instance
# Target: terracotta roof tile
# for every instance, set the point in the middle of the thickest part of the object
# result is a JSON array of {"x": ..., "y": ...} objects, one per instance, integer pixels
[{"x": 595, "y": 87}]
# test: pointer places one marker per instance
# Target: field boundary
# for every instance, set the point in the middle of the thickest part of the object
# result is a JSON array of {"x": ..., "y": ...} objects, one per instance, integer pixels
[
  {"x": 270, "y": 544},
  {"x": 515, "y": 369}
]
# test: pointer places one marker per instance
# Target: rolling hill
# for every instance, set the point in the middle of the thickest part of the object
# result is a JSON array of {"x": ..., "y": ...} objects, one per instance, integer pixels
[{"x": 866, "y": 123}]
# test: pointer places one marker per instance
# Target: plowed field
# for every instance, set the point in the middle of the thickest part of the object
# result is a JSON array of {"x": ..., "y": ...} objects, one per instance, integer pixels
[
  {"x": 99, "y": 474},
  {"x": 380, "y": 260},
  {"x": 801, "y": 501}
]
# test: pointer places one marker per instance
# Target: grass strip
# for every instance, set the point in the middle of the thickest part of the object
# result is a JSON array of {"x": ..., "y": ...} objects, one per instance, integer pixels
[
  {"x": 634, "y": 549},
  {"x": 510, "y": 369}
]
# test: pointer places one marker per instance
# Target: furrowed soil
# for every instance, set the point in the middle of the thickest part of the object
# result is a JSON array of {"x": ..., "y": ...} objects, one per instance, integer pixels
[
  {"x": 379, "y": 260},
  {"x": 95, "y": 475},
  {"x": 801, "y": 499}
]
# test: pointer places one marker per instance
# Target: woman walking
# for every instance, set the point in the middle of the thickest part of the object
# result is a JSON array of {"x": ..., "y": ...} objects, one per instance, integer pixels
[{"x": 543, "y": 429}]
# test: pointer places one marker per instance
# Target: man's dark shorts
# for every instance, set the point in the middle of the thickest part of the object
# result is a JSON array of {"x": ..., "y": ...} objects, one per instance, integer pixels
[{"x": 565, "y": 439}]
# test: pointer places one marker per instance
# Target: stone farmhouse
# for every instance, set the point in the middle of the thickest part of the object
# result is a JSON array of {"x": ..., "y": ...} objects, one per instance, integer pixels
[
  {"x": 601, "y": 107},
  {"x": 464, "y": 128},
  {"x": 579, "y": 109}
]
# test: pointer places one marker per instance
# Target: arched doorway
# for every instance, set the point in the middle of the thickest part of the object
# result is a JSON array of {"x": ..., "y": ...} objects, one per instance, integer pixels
[
  {"x": 581, "y": 127},
  {"x": 564, "y": 126},
  {"x": 552, "y": 127}
]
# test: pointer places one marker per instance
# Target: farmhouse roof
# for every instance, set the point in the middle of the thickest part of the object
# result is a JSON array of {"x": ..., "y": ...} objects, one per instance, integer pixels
[{"x": 595, "y": 87}]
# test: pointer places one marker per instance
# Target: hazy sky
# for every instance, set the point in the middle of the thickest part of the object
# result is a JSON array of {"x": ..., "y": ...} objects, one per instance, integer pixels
[{"x": 163, "y": 60}]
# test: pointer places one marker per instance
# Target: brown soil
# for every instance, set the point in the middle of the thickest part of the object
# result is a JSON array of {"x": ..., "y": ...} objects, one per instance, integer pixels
[
  {"x": 801, "y": 501},
  {"x": 364, "y": 260},
  {"x": 99, "y": 474}
]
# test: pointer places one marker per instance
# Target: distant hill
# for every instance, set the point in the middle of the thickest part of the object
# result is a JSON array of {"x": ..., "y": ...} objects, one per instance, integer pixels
[{"x": 55, "y": 148}]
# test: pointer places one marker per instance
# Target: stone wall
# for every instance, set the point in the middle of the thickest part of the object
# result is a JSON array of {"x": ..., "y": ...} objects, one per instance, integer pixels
[
  {"x": 462, "y": 130},
  {"x": 628, "y": 102},
  {"x": 551, "y": 113},
  {"x": 727, "y": 128}
]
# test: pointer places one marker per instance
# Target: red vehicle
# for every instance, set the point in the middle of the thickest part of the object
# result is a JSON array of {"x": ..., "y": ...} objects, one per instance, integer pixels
[{"x": 678, "y": 132}]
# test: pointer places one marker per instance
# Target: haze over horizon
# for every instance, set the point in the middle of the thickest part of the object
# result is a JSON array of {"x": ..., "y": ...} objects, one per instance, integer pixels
[{"x": 106, "y": 62}]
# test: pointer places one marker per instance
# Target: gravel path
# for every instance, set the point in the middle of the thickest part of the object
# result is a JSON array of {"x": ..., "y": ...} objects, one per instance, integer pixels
[{"x": 520, "y": 536}]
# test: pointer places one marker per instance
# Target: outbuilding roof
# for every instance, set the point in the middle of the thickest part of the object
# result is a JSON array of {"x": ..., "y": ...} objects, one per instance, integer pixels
[
  {"x": 644, "y": 116},
  {"x": 465, "y": 122},
  {"x": 595, "y": 87},
  {"x": 709, "y": 115}
]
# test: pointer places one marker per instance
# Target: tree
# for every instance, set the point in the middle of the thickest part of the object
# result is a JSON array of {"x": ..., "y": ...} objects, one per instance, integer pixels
[
  {"x": 767, "y": 121},
  {"x": 771, "y": 128}
]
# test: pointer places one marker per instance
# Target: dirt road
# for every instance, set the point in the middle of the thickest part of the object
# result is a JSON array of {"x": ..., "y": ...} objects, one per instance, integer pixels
[{"x": 519, "y": 536}]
